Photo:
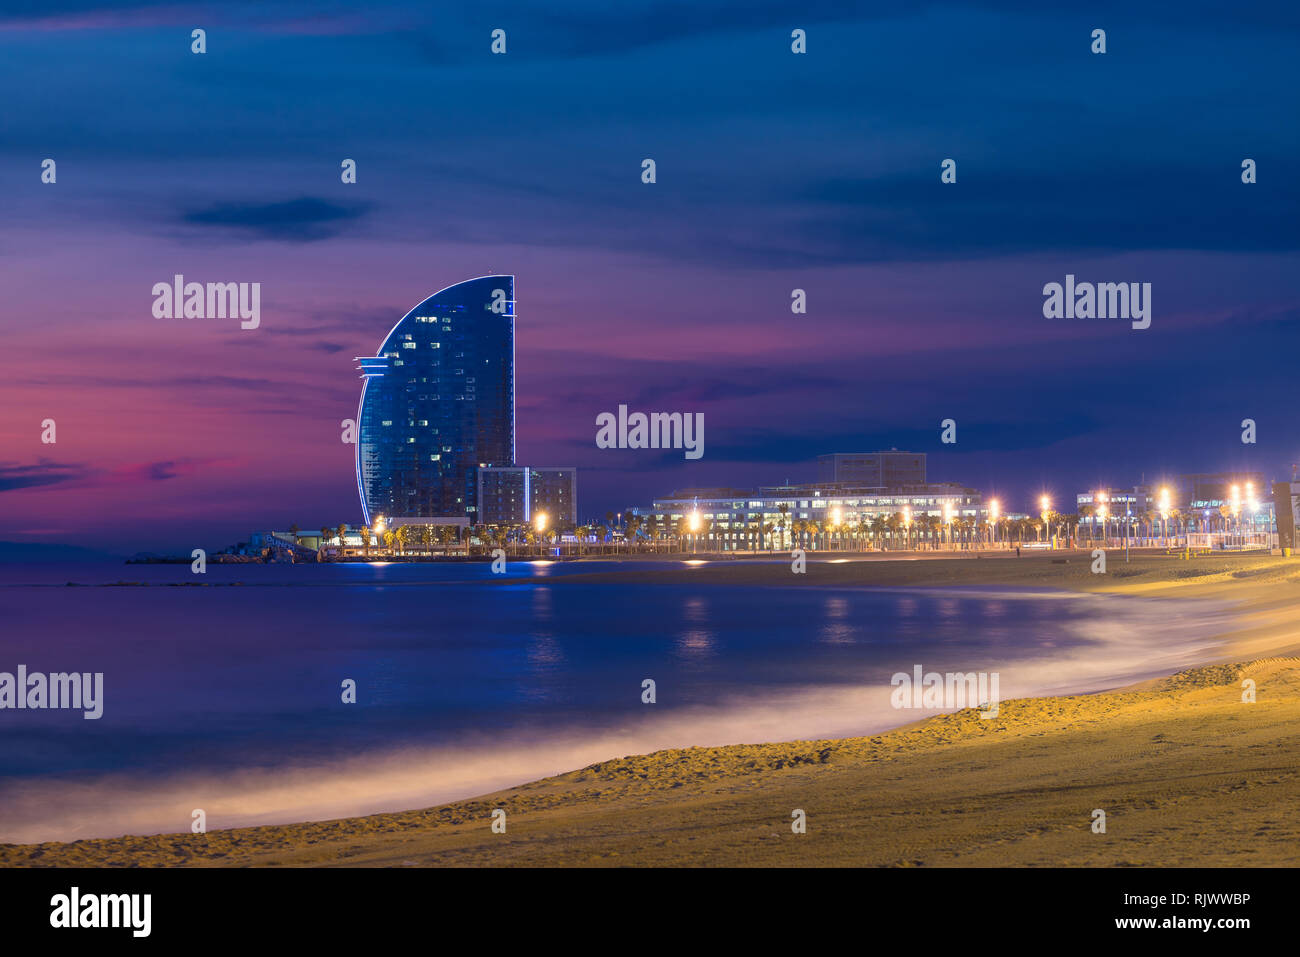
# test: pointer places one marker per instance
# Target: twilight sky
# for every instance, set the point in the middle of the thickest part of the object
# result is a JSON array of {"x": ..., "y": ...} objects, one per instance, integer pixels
[{"x": 775, "y": 171}]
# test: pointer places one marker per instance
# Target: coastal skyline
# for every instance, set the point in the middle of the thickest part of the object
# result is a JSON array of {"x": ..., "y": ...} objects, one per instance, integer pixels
[
  {"x": 665, "y": 435},
  {"x": 774, "y": 172}
]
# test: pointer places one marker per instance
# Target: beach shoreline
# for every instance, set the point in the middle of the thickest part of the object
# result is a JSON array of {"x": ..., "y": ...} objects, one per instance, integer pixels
[{"x": 578, "y": 822}]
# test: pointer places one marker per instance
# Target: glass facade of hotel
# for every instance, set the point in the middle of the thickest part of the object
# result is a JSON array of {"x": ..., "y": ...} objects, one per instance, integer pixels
[{"x": 438, "y": 403}]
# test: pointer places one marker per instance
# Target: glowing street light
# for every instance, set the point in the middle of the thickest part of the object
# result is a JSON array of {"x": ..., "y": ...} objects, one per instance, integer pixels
[
  {"x": 1045, "y": 504},
  {"x": 994, "y": 510},
  {"x": 694, "y": 523},
  {"x": 1252, "y": 503},
  {"x": 947, "y": 519},
  {"x": 1164, "y": 514},
  {"x": 1236, "y": 507},
  {"x": 907, "y": 526}
]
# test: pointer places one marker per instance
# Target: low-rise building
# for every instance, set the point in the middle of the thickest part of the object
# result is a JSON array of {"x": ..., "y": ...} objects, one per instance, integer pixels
[
  {"x": 515, "y": 495},
  {"x": 744, "y": 519}
]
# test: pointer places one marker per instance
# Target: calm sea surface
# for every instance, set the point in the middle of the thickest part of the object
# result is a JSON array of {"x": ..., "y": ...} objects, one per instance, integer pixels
[{"x": 226, "y": 696}]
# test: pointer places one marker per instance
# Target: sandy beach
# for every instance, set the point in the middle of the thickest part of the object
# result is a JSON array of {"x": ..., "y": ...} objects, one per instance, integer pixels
[{"x": 1184, "y": 769}]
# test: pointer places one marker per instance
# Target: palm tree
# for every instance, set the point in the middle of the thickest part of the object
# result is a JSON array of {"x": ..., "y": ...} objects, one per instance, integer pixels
[
  {"x": 784, "y": 511},
  {"x": 365, "y": 540},
  {"x": 1070, "y": 526},
  {"x": 935, "y": 526},
  {"x": 813, "y": 528},
  {"x": 341, "y": 530},
  {"x": 1088, "y": 512}
]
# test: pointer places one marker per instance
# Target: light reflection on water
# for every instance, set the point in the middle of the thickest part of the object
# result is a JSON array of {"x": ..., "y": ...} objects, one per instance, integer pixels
[{"x": 466, "y": 684}]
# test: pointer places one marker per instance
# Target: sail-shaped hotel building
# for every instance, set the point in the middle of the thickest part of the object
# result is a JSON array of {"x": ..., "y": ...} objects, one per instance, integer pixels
[{"x": 438, "y": 404}]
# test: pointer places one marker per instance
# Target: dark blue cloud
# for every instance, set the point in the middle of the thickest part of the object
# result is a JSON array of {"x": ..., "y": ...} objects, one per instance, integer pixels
[
  {"x": 45, "y": 472},
  {"x": 307, "y": 219}
]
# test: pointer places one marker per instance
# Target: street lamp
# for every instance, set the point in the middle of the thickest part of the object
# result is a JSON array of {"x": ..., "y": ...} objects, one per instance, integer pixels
[
  {"x": 694, "y": 523},
  {"x": 1164, "y": 515},
  {"x": 539, "y": 523},
  {"x": 1252, "y": 504},
  {"x": 1045, "y": 504},
  {"x": 994, "y": 510},
  {"x": 836, "y": 515},
  {"x": 1236, "y": 507},
  {"x": 907, "y": 526},
  {"x": 947, "y": 520}
]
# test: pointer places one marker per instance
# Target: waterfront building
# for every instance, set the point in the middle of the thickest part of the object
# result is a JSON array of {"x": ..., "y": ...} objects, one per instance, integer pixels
[
  {"x": 515, "y": 495},
  {"x": 892, "y": 469},
  {"x": 438, "y": 405},
  {"x": 743, "y": 519},
  {"x": 1200, "y": 500}
]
